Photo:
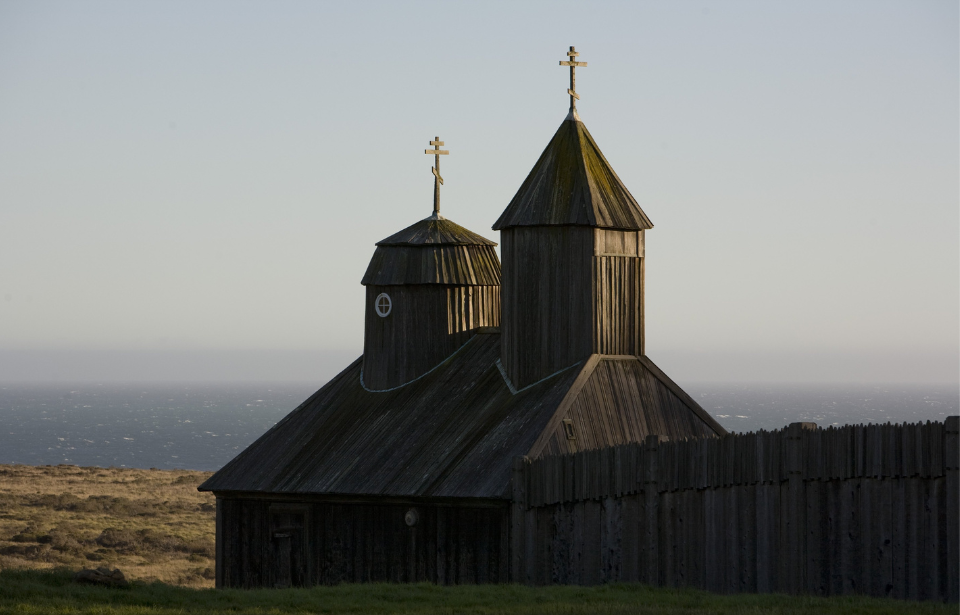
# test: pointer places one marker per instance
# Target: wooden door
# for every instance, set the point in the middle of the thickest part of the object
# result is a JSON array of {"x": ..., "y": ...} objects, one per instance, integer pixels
[{"x": 287, "y": 546}]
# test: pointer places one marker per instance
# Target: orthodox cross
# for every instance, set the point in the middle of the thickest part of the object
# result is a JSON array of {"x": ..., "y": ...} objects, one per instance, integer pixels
[
  {"x": 573, "y": 64},
  {"x": 437, "y": 180}
]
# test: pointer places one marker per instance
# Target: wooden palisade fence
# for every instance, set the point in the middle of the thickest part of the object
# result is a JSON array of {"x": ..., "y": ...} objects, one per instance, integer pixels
[{"x": 850, "y": 510}]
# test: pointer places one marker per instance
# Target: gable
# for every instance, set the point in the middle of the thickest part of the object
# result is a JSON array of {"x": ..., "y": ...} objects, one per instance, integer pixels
[{"x": 619, "y": 399}]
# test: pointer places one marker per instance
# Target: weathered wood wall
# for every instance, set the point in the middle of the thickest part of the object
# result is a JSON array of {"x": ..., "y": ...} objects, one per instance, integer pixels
[
  {"x": 568, "y": 292},
  {"x": 547, "y": 305},
  {"x": 850, "y": 510},
  {"x": 618, "y": 292},
  {"x": 280, "y": 543},
  {"x": 427, "y": 323}
]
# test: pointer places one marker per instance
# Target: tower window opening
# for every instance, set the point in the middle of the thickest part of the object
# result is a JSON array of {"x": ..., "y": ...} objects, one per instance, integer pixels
[{"x": 383, "y": 305}]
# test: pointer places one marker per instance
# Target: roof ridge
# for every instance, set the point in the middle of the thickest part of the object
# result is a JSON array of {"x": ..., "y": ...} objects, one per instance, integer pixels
[{"x": 582, "y": 143}]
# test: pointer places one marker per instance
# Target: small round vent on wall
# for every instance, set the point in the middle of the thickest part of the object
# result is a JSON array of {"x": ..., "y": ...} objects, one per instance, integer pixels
[
  {"x": 383, "y": 305},
  {"x": 411, "y": 517}
]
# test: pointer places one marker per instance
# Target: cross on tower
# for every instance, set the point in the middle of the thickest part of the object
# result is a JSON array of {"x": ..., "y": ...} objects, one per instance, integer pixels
[
  {"x": 437, "y": 181},
  {"x": 573, "y": 64}
]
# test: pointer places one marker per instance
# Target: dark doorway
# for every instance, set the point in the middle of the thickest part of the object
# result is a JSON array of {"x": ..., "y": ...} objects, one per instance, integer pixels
[{"x": 287, "y": 545}]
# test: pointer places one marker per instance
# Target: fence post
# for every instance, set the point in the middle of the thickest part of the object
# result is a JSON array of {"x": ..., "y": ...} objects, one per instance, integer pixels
[
  {"x": 793, "y": 553},
  {"x": 518, "y": 509},
  {"x": 651, "y": 507},
  {"x": 951, "y": 457}
]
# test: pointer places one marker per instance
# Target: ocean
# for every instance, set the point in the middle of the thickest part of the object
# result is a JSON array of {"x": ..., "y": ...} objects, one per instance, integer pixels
[{"x": 201, "y": 427}]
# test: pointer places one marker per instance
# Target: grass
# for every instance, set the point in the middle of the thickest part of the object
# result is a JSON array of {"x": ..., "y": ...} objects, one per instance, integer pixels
[
  {"x": 152, "y": 524},
  {"x": 30, "y": 592}
]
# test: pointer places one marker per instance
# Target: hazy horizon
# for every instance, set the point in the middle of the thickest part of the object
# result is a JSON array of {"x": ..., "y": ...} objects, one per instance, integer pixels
[
  {"x": 191, "y": 192},
  {"x": 272, "y": 366}
]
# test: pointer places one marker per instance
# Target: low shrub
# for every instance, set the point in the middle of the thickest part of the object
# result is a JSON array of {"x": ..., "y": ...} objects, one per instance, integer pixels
[{"x": 148, "y": 540}]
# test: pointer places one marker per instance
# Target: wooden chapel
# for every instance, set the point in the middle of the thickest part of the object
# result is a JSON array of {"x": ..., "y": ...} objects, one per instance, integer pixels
[{"x": 399, "y": 468}]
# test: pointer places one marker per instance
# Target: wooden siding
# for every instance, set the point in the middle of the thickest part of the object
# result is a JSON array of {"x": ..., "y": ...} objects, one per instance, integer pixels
[
  {"x": 573, "y": 184},
  {"x": 456, "y": 265},
  {"x": 852, "y": 510},
  {"x": 280, "y": 543},
  {"x": 453, "y": 433},
  {"x": 609, "y": 242},
  {"x": 618, "y": 292},
  {"x": 622, "y": 401},
  {"x": 547, "y": 309},
  {"x": 427, "y": 323},
  {"x": 569, "y": 292}
]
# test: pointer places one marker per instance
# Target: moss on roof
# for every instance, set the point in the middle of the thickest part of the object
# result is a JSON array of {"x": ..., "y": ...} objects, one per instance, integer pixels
[{"x": 573, "y": 184}]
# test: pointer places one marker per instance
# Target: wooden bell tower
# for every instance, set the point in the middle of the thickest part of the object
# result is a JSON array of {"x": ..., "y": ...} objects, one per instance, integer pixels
[{"x": 572, "y": 246}]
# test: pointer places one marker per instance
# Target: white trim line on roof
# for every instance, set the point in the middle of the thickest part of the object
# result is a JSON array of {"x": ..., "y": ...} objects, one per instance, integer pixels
[
  {"x": 431, "y": 370},
  {"x": 514, "y": 390}
]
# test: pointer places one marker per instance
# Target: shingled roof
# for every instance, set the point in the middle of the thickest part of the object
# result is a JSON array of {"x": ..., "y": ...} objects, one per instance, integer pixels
[
  {"x": 572, "y": 183},
  {"x": 435, "y": 231},
  {"x": 454, "y": 432},
  {"x": 434, "y": 251}
]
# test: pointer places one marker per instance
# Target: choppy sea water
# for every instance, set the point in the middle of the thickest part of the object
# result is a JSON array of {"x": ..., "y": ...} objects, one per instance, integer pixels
[
  {"x": 201, "y": 427},
  {"x": 751, "y": 407},
  {"x": 195, "y": 427}
]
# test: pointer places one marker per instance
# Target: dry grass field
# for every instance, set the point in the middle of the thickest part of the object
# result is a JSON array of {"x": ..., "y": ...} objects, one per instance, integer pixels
[{"x": 152, "y": 524}]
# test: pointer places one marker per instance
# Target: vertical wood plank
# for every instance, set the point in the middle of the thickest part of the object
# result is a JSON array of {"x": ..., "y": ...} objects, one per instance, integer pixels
[
  {"x": 590, "y": 555},
  {"x": 517, "y": 526},
  {"x": 630, "y": 545},
  {"x": 816, "y": 570},
  {"x": 885, "y": 536},
  {"x": 651, "y": 501},
  {"x": 952, "y": 505}
]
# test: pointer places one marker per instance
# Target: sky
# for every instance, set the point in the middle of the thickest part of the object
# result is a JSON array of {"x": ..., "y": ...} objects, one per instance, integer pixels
[{"x": 192, "y": 191}]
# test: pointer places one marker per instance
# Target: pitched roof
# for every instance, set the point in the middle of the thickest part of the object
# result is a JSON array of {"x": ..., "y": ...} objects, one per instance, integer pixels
[
  {"x": 455, "y": 431},
  {"x": 572, "y": 183},
  {"x": 435, "y": 231},
  {"x": 602, "y": 405}
]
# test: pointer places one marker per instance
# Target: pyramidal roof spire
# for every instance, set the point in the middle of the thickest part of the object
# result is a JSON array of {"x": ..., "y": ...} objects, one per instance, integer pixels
[{"x": 572, "y": 183}]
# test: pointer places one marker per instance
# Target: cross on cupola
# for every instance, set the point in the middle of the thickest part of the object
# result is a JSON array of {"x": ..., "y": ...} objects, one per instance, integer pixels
[
  {"x": 437, "y": 179},
  {"x": 573, "y": 64}
]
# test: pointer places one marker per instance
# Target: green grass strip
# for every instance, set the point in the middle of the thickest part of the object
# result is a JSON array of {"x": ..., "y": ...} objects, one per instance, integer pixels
[{"x": 28, "y": 592}]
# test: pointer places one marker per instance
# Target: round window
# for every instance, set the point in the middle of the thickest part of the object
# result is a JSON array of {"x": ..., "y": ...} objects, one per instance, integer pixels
[
  {"x": 383, "y": 305},
  {"x": 411, "y": 517}
]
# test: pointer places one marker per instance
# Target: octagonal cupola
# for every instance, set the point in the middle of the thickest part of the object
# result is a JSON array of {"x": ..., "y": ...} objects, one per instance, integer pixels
[{"x": 429, "y": 287}]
